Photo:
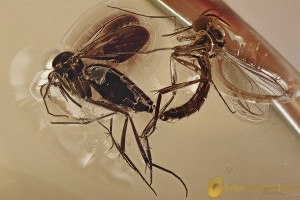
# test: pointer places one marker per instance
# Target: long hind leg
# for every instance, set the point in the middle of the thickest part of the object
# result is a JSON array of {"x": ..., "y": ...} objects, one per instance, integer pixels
[
  {"x": 148, "y": 157},
  {"x": 122, "y": 152}
]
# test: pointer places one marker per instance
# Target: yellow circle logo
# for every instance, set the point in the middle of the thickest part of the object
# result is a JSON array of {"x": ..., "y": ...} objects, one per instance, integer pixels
[{"x": 215, "y": 187}]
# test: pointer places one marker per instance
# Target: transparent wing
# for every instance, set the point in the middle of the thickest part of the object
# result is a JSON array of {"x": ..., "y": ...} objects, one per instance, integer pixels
[
  {"x": 250, "y": 88},
  {"x": 251, "y": 111}
]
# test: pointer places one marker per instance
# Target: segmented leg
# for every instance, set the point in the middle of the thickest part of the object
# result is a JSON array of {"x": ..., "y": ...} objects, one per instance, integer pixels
[{"x": 126, "y": 157}]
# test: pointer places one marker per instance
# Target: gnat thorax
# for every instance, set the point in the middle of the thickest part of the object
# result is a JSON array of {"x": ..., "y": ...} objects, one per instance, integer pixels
[
  {"x": 202, "y": 23},
  {"x": 208, "y": 26},
  {"x": 67, "y": 64}
]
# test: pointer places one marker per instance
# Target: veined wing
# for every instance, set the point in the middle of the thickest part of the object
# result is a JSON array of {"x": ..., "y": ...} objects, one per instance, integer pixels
[
  {"x": 114, "y": 46},
  {"x": 250, "y": 88}
]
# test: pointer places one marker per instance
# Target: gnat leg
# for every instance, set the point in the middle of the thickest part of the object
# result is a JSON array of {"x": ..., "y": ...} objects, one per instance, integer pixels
[{"x": 126, "y": 157}]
